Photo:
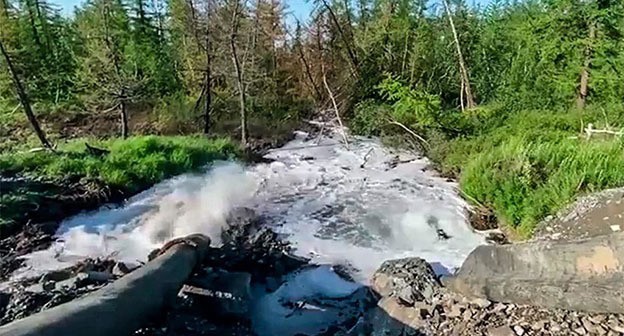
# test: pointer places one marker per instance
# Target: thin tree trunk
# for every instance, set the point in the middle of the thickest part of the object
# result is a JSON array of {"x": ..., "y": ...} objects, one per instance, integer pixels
[
  {"x": 239, "y": 75},
  {"x": 308, "y": 71},
  {"x": 208, "y": 86},
  {"x": 345, "y": 40},
  {"x": 584, "y": 82},
  {"x": 470, "y": 101},
  {"x": 123, "y": 114},
  {"x": 24, "y": 100},
  {"x": 122, "y": 95},
  {"x": 33, "y": 26},
  {"x": 208, "y": 82}
]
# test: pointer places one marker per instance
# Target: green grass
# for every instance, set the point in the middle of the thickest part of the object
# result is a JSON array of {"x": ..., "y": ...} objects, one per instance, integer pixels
[
  {"x": 131, "y": 163},
  {"x": 131, "y": 166},
  {"x": 532, "y": 164}
]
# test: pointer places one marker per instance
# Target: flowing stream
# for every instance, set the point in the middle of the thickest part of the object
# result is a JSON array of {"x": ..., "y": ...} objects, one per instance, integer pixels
[{"x": 355, "y": 206}]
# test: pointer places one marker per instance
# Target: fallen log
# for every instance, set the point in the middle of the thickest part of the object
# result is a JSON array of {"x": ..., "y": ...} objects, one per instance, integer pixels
[
  {"x": 584, "y": 275},
  {"x": 123, "y": 306}
]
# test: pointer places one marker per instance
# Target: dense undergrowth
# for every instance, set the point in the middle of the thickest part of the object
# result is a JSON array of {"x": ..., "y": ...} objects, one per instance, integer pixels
[
  {"x": 131, "y": 166},
  {"x": 524, "y": 165}
]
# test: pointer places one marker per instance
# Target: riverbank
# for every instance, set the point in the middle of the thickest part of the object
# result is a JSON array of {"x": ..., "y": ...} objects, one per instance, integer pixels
[
  {"x": 515, "y": 167},
  {"x": 41, "y": 188}
]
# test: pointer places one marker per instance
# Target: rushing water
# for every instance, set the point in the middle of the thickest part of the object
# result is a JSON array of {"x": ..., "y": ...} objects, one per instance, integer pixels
[{"x": 356, "y": 206}]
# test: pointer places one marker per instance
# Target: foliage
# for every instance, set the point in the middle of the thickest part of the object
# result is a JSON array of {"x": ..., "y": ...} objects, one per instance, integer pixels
[
  {"x": 132, "y": 164},
  {"x": 532, "y": 164},
  {"x": 409, "y": 106}
]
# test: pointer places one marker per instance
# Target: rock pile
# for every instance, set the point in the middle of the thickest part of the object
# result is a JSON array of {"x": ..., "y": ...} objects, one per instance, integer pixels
[{"x": 414, "y": 302}]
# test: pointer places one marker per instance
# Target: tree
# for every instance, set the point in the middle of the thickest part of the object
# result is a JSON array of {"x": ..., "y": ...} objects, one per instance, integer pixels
[
  {"x": 110, "y": 76},
  {"x": 234, "y": 30},
  {"x": 23, "y": 98},
  {"x": 463, "y": 70}
]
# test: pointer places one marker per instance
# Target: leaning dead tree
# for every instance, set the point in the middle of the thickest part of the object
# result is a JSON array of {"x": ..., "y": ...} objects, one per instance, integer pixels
[
  {"x": 332, "y": 97},
  {"x": 24, "y": 99},
  {"x": 463, "y": 71}
]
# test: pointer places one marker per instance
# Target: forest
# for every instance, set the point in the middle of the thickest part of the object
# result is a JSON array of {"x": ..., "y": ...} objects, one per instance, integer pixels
[{"x": 521, "y": 101}]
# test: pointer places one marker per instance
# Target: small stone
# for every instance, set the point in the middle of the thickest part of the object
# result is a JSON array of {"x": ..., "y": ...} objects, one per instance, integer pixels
[
  {"x": 454, "y": 311},
  {"x": 406, "y": 296},
  {"x": 616, "y": 327},
  {"x": 599, "y": 330},
  {"x": 555, "y": 327},
  {"x": 539, "y": 325},
  {"x": 587, "y": 324},
  {"x": 519, "y": 330},
  {"x": 598, "y": 319},
  {"x": 481, "y": 303},
  {"x": 467, "y": 315},
  {"x": 580, "y": 331},
  {"x": 500, "y": 331},
  {"x": 49, "y": 285},
  {"x": 120, "y": 269},
  {"x": 499, "y": 307}
]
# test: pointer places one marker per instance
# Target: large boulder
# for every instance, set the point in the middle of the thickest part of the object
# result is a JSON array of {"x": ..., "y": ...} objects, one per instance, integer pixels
[
  {"x": 407, "y": 287},
  {"x": 584, "y": 275}
]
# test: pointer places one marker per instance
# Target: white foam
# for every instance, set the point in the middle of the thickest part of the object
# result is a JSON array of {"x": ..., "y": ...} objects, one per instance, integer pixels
[
  {"x": 330, "y": 207},
  {"x": 357, "y": 206},
  {"x": 275, "y": 313}
]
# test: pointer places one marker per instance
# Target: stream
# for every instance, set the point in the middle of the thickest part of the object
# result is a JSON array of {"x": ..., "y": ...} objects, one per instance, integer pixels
[{"x": 355, "y": 207}]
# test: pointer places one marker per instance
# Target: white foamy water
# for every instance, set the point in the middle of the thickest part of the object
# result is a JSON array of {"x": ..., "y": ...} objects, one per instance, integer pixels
[{"x": 357, "y": 206}]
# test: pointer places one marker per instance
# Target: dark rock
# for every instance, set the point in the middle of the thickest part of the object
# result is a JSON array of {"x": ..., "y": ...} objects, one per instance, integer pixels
[
  {"x": 220, "y": 293},
  {"x": 497, "y": 238},
  {"x": 410, "y": 274}
]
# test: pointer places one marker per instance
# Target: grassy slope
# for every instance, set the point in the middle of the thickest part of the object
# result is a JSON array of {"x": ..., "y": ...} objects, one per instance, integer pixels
[
  {"x": 132, "y": 165},
  {"x": 532, "y": 164}
]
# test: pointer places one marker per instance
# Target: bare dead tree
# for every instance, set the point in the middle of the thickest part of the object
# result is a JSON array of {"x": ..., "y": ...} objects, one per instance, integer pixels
[
  {"x": 463, "y": 71},
  {"x": 239, "y": 71},
  {"x": 335, "y": 105},
  {"x": 24, "y": 99},
  {"x": 581, "y": 99}
]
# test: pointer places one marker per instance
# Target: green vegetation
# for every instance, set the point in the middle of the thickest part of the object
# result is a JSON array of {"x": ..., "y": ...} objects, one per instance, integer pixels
[
  {"x": 498, "y": 95},
  {"x": 131, "y": 165}
]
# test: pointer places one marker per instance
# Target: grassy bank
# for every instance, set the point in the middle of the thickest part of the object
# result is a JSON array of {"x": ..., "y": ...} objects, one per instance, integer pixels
[
  {"x": 531, "y": 165},
  {"x": 128, "y": 167},
  {"x": 522, "y": 164}
]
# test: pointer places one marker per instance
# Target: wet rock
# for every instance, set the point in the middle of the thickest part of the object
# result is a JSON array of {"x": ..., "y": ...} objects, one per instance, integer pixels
[
  {"x": 219, "y": 292},
  {"x": 120, "y": 269},
  {"x": 93, "y": 277},
  {"x": 57, "y": 276},
  {"x": 497, "y": 238}
]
